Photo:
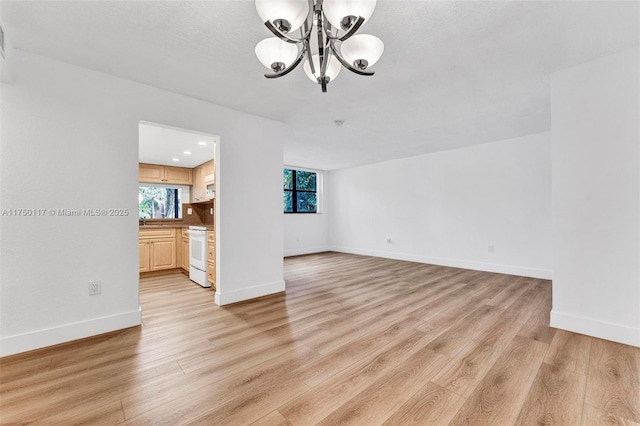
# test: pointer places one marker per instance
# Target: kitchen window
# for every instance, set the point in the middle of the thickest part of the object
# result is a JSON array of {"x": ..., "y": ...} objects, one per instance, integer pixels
[
  {"x": 300, "y": 191},
  {"x": 156, "y": 202}
]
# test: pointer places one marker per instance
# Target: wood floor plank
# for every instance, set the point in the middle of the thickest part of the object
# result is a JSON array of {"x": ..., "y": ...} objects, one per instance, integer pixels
[
  {"x": 334, "y": 362},
  {"x": 57, "y": 393},
  {"x": 29, "y": 368},
  {"x": 526, "y": 304},
  {"x": 591, "y": 416},
  {"x": 467, "y": 369},
  {"x": 556, "y": 397},
  {"x": 274, "y": 418},
  {"x": 251, "y": 406},
  {"x": 157, "y": 402},
  {"x": 234, "y": 396},
  {"x": 431, "y": 405},
  {"x": 498, "y": 398},
  {"x": 355, "y": 339},
  {"x": 570, "y": 350},
  {"x": 537, "y": 327},
  {"x": 326, "y": 397},
  {"x": 454, "y": 339},
  {"x": 382, "y": 398},
  {"x": 80, "y": 414},
  {"x": 509, "y": 294},
  {"x": 614, "y": 379}
]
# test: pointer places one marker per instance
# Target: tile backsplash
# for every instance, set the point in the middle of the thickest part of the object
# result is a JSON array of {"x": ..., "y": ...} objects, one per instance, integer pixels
[{"x": 200, "y": 214}]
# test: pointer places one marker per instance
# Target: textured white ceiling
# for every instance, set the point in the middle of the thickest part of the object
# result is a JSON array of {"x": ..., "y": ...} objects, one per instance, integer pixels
[
  {"x": 454, "y": 73},
  {"x": 161, "y": 144}
]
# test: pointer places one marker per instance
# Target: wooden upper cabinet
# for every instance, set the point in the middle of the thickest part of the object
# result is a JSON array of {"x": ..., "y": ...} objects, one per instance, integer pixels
[
  {"x": 150, "y": 173},
  {"x": 179, "y": 175},
  {"x": 154, "y": 173},
  {"x": 209, "y": 168},
  {"x": 199, "y": 191}
]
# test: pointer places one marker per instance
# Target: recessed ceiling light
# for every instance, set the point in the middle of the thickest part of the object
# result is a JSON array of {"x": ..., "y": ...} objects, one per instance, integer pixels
[
  {"x": 175, "y": 159},
  {"x": 202, "y": 143},
  {"x": 187, "y": 153}
]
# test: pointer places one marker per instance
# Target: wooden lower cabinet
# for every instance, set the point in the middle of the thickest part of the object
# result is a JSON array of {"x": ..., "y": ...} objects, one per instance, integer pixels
[
  {"x": 144, "y": 256},
  {"x": 163, "y": 254},
  {"x": 185, "y": 253},
  {"x": 211, "y": 258},
  {"x": 158, "y": 249},
  {"x": 211, "y": 274}
]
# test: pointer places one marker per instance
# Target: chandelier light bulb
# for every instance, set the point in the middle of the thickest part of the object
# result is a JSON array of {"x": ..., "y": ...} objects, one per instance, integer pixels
[
  {"x": 276, "y": 54},
  {"x": 286, "y": 15},
  {"x": 362, "y": 50},
  {"x": 333, "y": 68},
  {"x": 343, "y": 13}
]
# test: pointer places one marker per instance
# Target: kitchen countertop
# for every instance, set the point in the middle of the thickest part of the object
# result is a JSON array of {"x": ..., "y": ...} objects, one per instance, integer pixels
[{"x": 170, "y": 225}]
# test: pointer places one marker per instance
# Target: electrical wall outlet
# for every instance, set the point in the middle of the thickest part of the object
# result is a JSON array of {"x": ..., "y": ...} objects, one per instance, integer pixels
[
  {"x": 189, "y": 210},
  {"x": 95, "y": 287}
]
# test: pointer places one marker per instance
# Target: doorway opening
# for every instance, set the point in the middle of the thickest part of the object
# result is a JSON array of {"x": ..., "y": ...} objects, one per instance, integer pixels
[{"x": 177, "y": 205}]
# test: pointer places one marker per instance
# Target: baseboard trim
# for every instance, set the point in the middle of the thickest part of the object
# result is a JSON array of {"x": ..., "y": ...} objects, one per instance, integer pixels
[
  {"x": 248, "y": 293},
  {"x": 454, "y": 263},
  {"x": 596, "y": 328},
  {"x": 38, "y": 339},
  {"x": 310, "y": 250}
]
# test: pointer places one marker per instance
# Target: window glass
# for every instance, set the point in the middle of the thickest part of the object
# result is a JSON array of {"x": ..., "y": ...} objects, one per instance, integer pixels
[
  {"x": 159, "y": 203},
  {"x": 288, "y": 201},
  {"x": 305, "y": 181},
  {"x": 288, "y": 179},
  {"x": 307, "y": 202},
  {"x": 300, "y": 191}
]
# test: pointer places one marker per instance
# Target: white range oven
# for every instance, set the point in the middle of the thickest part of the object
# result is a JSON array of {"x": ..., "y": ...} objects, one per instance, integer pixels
[{"x": 198, "y": 255}]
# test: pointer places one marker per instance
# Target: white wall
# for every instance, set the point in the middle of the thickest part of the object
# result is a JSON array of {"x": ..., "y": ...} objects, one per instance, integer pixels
[
  {"x": 70, "y": 140},
  {"x": 309, "y": 233},
  {"x": 447, "y": 208},
  {"x": 596, "y": 198},
  {"x": 305, "y": 233},
  {"x": 3, "y": 76}
]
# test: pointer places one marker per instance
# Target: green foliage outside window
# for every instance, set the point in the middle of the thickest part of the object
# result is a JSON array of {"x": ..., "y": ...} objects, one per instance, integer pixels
[
  {"x": 300, "y": 191},
  {"x": 158, "y": 203}
]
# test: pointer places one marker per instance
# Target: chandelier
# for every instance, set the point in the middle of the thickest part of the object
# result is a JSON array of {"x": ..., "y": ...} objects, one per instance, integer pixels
[{"x": 336, "y": 22}]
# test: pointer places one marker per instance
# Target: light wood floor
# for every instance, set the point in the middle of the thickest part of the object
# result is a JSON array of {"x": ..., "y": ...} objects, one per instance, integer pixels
[{"x": 356, "y": 340}]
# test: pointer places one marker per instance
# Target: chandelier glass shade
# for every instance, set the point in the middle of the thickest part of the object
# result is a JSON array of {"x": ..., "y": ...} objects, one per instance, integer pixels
[
  {"x": 336, "y": 10},
  {"x": 294, "y": 12},
  {"x": 275, "y": 54},
  {"x": 334, "y": 22},
  {"x": 332, "y": 71},
  {"x": 362, "y": 47}
]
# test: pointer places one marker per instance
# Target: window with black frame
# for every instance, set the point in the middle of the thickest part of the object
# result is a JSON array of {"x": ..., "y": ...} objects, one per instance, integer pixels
[
  {"x": 159, "y": 203},
  {"x": 300, "y": 191}
]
